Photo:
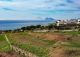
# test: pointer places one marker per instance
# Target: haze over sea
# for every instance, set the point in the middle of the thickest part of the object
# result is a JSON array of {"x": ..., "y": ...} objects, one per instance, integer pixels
[{"x": 15, "y": 24}]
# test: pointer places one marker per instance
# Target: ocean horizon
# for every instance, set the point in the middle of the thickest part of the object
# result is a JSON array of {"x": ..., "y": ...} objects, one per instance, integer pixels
[{"x": 16, "y": 24}]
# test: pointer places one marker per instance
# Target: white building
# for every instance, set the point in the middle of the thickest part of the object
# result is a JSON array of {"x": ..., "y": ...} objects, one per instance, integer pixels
[
  {"x": 68, "y": 22},
  {"x": 61, "y": 22}
]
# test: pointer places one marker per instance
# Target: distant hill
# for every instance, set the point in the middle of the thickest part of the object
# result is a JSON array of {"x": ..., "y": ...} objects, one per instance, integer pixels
[{"x": 49, "y": 19}]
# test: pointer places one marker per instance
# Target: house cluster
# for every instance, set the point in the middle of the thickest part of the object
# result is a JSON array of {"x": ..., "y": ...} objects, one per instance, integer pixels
[{"x": 68, "y": 22}]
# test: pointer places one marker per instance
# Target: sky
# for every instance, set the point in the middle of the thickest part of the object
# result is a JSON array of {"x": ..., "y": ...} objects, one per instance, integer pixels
[{"x": 39, "y": 9}]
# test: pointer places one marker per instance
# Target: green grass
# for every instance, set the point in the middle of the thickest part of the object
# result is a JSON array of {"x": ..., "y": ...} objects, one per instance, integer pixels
[
  {"x": 39, "y": 51},
  {"x": 74, "y": 44},
  {"x": 42, "y": 51},
  {"x": 5, "y": 48},
  {"x": 24, "y": 33},
  {"x": 30, "y": 47},
  {"x": 50, "y": 42},
  {"x": 3, "y": 44},
  {"x": 72, "y": 32},
  {"x": 70, "y": 51},
  {"x": 2, "y": 38}
]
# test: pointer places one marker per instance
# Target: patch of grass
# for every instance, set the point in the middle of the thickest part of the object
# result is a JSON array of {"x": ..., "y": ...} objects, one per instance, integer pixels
[
  {"x": 2, "y": 38},
  {"x": 50, "y": 42},
  {"x": 73, "y": 33},
  {"x": 70, "y": 51},
  {"x": 5, "y": 48},
  {"x": 30, "y": 47},
  {"x": 3, "y": 44},
  {"x": 24, "y": 33},
  {"x": 74, "y": 43},
  {"x": 41, "y": 51}
]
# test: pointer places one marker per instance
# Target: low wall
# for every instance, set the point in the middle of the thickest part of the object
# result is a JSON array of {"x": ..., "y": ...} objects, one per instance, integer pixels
[
  {"x": 18, "y": 50},
  {"x": 22, "y": 52}
]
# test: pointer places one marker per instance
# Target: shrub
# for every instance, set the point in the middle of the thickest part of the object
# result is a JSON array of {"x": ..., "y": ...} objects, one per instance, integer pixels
[{"x": 70, "y": 51}]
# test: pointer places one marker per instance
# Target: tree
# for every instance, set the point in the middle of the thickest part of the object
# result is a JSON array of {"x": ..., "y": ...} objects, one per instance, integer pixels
[
  {"x": 50, "y": 26},
  {"x": 32, "y": 27},
  {"x": 42, "y": 27},
  {"x": 23, "y": 28},
  {"x": 28, "y": 28},
  {"x": 0, "y": 31},
  {"x": 18, "y": 30},
  {"x": 38, "y": 26}
]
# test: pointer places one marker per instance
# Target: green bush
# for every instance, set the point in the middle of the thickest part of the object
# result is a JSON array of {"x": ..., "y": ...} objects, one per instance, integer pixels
[{"x": 70, "y": 51}]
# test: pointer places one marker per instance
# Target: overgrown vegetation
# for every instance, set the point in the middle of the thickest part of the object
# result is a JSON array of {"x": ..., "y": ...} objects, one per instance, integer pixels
[
  {"x": 70, "y": 52},
  {"x": 50, "y": 42},
  {"x": 41, "y": 51},
  {"x": 3, "y": 44},
  {"x": 30, "y": 47},
  {"x": 74, "y": 43},
  {"x": 40, "y": 46},
  {"x": 24, "y": 33}
]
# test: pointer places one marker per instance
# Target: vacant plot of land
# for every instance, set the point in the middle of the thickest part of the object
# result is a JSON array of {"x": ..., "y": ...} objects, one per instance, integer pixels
[
  {"x": 5, "y": 50},
  {"x": 49, "y": 44}
]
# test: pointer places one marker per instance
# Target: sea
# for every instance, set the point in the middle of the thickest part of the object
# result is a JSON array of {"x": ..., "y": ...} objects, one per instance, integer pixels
[{"x": 16, "y": 24}]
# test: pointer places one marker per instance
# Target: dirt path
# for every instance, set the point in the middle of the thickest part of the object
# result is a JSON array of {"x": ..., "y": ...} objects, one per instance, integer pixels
[
  {"x": 18, "y": 50},
  {"x": 7, "y": 40}
]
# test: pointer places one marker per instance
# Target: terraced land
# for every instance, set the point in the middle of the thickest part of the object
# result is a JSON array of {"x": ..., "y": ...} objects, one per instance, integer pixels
[
  {"x": 5, "y": 50},
  {"x": 48, "y": 44}
]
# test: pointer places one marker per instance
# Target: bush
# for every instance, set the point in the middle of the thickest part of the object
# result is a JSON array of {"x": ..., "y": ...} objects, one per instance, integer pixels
[{"x": 70, "y": 51}]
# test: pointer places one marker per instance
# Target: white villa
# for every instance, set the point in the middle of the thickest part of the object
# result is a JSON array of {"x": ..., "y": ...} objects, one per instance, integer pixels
[{"x": 68, "y": 22}]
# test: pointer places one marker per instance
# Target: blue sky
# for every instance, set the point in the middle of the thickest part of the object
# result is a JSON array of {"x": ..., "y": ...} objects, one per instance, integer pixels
[{"x": 39, "y": 9}]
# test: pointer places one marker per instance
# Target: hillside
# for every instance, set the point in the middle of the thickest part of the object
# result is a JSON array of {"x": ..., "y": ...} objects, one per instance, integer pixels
[
  {"x": 48, "y": 44},
  {"x": 5, "y": 50}
]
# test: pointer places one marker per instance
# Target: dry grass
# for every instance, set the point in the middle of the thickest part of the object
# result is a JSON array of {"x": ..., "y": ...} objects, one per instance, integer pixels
[{"x": 58, "y": 44}]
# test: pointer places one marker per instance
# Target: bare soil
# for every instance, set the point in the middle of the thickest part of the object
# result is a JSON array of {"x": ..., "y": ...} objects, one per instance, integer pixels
[
  {"x": 50, "y": 36},
  {"x": 9, "y": 54}
]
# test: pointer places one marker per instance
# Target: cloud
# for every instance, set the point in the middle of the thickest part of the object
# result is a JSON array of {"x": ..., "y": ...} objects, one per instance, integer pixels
[
  {"x": 6, "y": 0},
  {"x": 9, "y": 9},
  {"x": 48, "y": 1},
  {"x": 38, "y": 8},
  {"x": 62, "y": 5},
  {"x": 69, "y": 1},
  {"x": 41, "y": 4}
]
